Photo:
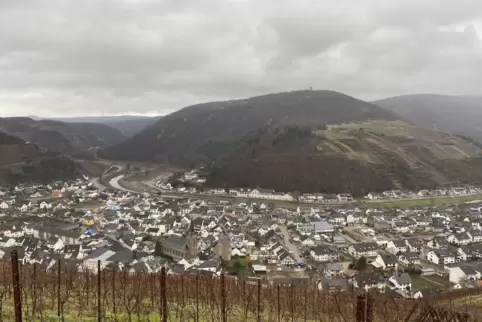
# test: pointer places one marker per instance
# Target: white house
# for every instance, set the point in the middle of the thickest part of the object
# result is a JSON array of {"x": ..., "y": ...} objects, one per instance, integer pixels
[
  {"x": 401, "y": 282},
  {"x": 45, "y": 205},
  {"x": 460, "y": 239},
  {"x": 440, "y": 257},
  {"x": 397, "y": 246},
  {"x": 4, "y": 205},
  {"x": 386, "y": 262},
  {"x": 308, "y": 242},
  {"x": 476, "y": 235},
  {"x": 324, "y": 254},
  {"x": 368, "y": 281},
  {"x": 459, "y": 273},
  {"x": 286, "y": 259},
  {"x": 409, "y": 259},
  {"x": 363, "y": 249}
]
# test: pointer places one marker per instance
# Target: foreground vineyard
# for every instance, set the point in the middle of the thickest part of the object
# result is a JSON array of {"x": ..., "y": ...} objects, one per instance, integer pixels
[{"x": 68, "y": 295}]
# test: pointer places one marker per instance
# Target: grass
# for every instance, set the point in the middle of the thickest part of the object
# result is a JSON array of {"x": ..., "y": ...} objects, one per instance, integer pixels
[{"x": 421, "y": 282}]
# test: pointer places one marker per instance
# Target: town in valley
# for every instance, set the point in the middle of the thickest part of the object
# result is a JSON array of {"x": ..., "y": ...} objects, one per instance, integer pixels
[{"x": 328, "y": 241}]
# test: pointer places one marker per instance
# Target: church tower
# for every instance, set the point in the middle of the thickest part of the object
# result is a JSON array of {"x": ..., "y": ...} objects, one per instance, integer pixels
[{"x": 191, "y": 242}]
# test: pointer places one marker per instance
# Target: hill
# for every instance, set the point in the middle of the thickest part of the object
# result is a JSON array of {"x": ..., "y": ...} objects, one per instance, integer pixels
[
  {"x": 128, "y": 125},
  {"x": 311, "y": 141},
  {"x": 455, "y": 114},
  {"x": 25, "y": 162},
  {"x": 355, "y": 157},
  {"x": 199, "y": 133},
  {"x": 60, "y": 136}
]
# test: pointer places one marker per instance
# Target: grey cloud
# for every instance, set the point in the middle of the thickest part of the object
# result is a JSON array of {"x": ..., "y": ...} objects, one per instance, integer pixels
[{"x": 119, "y": 56}]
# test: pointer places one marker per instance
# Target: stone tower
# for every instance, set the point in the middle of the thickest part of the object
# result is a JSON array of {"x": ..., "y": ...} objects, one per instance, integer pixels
[{"x": 191, "y": 242}]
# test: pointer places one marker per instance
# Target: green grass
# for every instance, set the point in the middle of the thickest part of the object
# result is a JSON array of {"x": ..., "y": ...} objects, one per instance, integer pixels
[{"x": 418, "y": 282}]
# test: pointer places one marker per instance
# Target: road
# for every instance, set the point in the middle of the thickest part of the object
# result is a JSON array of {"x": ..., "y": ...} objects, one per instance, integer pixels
[
  {"x": 114, "y": 182},
  {"x": 291, "y": 248}
]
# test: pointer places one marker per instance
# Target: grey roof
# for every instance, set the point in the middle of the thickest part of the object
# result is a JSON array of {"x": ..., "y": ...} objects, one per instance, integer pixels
[
  {"x": 468, "y": 270},
  {"x": 176, "y": 241},
  {"x": 122, "y": 256},
  {"x": 389, "y": 259},
  {"x": 403, "y": 278},
  {"x": 322, "y": 226},
  {"x": 411, "y": 256},
  {"x": 399, "y": 243},
  {"x": 363, "y": 247}
]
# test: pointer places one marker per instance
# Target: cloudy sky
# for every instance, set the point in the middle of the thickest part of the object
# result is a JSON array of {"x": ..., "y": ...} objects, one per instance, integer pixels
[{"x": 70, "y": 58}]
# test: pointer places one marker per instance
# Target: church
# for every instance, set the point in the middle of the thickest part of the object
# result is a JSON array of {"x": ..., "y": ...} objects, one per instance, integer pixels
[{"x": 179, "y": 247}]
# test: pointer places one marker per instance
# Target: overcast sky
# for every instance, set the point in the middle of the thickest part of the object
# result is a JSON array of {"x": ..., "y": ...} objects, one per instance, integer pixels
[{"x": 86, "y": 57}]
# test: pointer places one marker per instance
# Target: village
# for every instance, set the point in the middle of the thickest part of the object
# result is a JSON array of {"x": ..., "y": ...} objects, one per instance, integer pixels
[
  {"x": 407, "y": 253},
  {"x": 192, "y": 182}
]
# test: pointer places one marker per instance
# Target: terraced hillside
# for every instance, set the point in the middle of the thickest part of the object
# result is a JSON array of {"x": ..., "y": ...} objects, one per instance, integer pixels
[{"x": 355, "y": 157}]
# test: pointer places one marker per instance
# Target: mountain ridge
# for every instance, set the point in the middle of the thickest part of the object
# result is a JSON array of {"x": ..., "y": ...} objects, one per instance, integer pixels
[
  {"x": 180, "y": 137},
  {"x": 459, "y": 114},
  {"x": 60, "y": 136},
  {"x": 22, "y": 162}
]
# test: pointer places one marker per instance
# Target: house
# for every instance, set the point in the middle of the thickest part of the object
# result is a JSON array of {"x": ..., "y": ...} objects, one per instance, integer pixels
[
  {"x": 443, "y": 257},
  {"x": 322, "y": 227},
  {"x": 438, "y": 243},
  {"x": 363, "y": 249},
  {"x": 55, "y": 243},
  {"x": 333, "y": 269},
  {"x": 374, "y": 196},
  {"x": 308, "y": 242},
  {"x": 476, "y": 235},
  {"x": 336, "y": 284},
  {"x": 367, "y": 281},
  {"x": 397, "y": 246},
  {"x": 426, "y": 293},
  {"x": 72, "y": 252},
  {"x": 414, "y": 245},
  {"x": 286, "y": 259},
  {"x": 386, "y": 261},
  {"x": 325, "y": 254},
  {"x": 409, "y": 258},
  {"x": 460, "y": 239},
  {"x": 343, "y": 197},
  {"x": 154, "y": 231},
  {"x": 401, "y": 282},
  {"x": 460, "y": 273}
]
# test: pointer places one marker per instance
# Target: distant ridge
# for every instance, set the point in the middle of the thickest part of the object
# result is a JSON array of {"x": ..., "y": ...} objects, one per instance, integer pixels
[
  {"x": 27, "y": 163},
  {"x": 129, "y": 125},
  {"x": 61, "y": 136},
  {"x": 460, "y": 114}
]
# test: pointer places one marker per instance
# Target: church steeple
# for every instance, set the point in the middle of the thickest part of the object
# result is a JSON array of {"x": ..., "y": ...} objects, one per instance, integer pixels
[
  {"x": 191, "y": 228},
  {"x": 191, "y": 241}
]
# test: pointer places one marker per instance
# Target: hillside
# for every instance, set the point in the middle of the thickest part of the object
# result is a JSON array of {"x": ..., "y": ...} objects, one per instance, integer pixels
[
  {"x": 454, "y": 114},
  {"x": 59, "y": 136},
  {"x": 128, "y": 125},
  {"x": 22, "y": 162},
  {"x": 355, "y": 157},
  {"x": 317, "y": 141},
  {"x": 199, "y": 133}
]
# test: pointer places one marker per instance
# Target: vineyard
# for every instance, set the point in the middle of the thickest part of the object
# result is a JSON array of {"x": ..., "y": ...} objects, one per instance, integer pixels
[{"x": 62, "y": 293}]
